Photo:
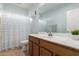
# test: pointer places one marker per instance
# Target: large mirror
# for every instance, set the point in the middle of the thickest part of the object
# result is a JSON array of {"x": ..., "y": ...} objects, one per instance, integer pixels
[{"x": 64, "y": 15}]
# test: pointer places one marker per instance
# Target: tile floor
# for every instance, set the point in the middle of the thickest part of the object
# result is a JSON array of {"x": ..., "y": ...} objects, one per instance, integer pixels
[{"x": 12, "y": 52}]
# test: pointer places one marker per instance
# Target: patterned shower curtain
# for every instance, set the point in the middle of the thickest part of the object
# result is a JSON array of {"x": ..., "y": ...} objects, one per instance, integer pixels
[{"x": 13, "y": 29}]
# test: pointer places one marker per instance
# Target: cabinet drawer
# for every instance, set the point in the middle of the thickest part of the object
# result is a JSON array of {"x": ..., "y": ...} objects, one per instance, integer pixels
[
  {"x": 59, "y": 49},
  {"x": 44, "y": 52},
  {"x": 46, "y": 45},
  {"x": 65, "y": 51},
  {"x": 34, "y": 39}
]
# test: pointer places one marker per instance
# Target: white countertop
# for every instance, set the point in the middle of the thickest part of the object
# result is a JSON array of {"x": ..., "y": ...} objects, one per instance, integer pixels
[{"x": 60, "y": 38}]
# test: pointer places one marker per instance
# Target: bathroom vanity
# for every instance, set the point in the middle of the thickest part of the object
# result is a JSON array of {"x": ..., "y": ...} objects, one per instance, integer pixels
[{"x": 40, "y": 45}]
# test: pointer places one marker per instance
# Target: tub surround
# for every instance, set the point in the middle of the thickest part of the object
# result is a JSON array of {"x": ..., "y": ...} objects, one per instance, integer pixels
[{"x": 61, "y": 41}]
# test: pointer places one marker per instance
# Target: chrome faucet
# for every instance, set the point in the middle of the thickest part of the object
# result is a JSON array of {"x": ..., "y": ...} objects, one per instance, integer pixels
[{"x": 49, "y": 34}]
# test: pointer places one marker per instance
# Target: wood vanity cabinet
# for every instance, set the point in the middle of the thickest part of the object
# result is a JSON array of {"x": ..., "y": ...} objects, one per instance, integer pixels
[
  {"x": 33, "y": 46},
  {"x": 35, "y": 50},
  {"x": 40, "y": 47},
  {"x": 44, "y": 52},
  {"x": 30, "y": 48}
]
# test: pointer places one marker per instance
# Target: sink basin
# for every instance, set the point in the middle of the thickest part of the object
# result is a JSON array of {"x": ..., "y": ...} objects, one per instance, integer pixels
[
  {"x": 57, "y": 36},
  {"x": 61, "y": 38}
]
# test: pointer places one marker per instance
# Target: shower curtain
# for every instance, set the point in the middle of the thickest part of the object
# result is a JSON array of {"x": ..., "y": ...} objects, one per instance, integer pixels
[{"x": 13, "y": 29}]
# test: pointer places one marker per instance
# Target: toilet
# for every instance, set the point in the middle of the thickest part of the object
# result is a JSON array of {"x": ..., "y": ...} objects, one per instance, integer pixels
[{"x": 24, "y": 45}]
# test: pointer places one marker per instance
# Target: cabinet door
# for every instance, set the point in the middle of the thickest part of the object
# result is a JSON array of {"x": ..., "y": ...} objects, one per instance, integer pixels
[
  {"x": 35, "y": 49},
  {"x": 44, "y": 52},
  {"x": 30, "y": 49}
]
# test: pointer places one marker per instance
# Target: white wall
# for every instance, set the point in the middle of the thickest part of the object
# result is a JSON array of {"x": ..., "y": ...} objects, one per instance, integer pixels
[
  {"x": 37, "y": 25},
  {"x": 42, "y": 25}
]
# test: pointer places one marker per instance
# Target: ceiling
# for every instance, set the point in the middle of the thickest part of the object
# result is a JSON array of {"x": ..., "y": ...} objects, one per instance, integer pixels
[
  {"x": 30, "y": 6},
  {"x": 43, "y": 8},
  {"x": 48, "y": 6},
  {"x": 26, "y": 5},
  {"x": 22, "y": 8}
]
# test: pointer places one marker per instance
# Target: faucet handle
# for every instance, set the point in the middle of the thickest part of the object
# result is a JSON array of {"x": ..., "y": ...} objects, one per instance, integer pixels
[{"x": 49, "y": 34}]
